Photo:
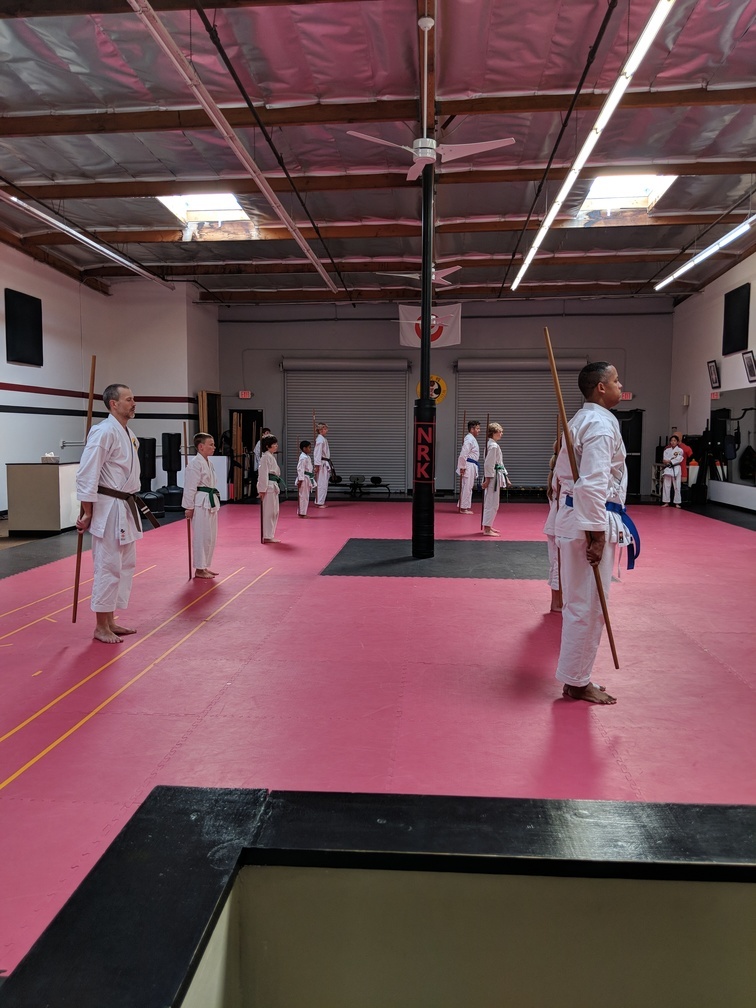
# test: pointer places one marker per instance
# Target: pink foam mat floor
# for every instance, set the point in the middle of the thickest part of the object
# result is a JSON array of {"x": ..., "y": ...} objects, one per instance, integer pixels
[{"x": 272, "y": 676}]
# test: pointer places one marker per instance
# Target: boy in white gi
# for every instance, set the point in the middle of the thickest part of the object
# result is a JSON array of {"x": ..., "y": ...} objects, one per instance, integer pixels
[
  {"x": 467, "y": 466},
  {"x": 495, "y": 477},
  {"x": 305, "y": 477},
  {"x": 201, "y": 502},
  {"x": 673, "y": 459},
  {"x": 268, "y": 487},
  {"x": 584, "y": 507},
  {"x": 107, "y": 479},
  {"x": 321, "y": 458}
]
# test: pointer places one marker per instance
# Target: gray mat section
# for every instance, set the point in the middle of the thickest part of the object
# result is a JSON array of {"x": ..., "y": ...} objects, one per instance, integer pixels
[{"x": 498, "y": 559}]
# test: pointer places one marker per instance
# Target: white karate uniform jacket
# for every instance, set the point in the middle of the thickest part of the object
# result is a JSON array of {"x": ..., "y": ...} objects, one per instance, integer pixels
[
  {"x": 200, "y": 472},
  {"x": 470, "y": 449},
  {"x": 602, "y": 477},
  {"x": 110, "y": 459}
]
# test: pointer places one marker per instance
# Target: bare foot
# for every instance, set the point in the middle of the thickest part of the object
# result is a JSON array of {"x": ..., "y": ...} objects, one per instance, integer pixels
[
  {"x": 591, "y": 693},
  {"x": 203, "y": 574},
  {"x": 106, "y": 636},
  {"x": 211, "y": 573},
  {"x": 124, "y": 631},
  {"x": 301, "y": 516},
  {"x": 465, "y": 511},
  {"x": 274, "y": 540},
  {"x": 556, "y": 600},
  {"x": 491, "y": 532}
]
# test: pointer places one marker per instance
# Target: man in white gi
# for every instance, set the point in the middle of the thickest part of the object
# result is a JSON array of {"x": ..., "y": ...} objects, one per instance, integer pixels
[
  {"x": 201, "y": 502},
  {"x": 467, "y": 466},
  {"x": 321, "y": 461},
  {"x": 106, "y": 481},
  {"x": 583, "y": 508}
]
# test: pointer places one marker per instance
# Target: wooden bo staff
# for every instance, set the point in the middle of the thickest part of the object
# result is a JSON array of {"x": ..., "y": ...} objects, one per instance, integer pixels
[
  {"x": 80, "y": 543},
  {"x": 188, "y": 523},
  {"x": 573, "y": 465}
]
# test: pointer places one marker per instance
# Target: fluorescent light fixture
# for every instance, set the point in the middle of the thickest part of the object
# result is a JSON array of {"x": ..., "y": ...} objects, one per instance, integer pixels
[
  {"x": 731, "y": 236},
  {"x": 82, "y": 238},
  {"x": 645, "y": 40}
]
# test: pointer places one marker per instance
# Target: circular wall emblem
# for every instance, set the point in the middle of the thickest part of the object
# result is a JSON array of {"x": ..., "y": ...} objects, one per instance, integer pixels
[{"x": 437, "y": 389}]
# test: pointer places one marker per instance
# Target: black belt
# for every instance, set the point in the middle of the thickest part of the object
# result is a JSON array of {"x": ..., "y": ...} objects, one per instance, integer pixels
[{"x": 134, "y": 503}]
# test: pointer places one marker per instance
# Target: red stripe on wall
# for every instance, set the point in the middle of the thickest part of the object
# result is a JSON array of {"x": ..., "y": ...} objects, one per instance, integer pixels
[{"x": 39, "y": 390}]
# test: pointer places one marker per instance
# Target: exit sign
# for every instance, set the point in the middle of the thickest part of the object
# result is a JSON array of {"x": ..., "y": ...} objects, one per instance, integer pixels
[
  {"x": 245, "y": 394},
  {"x": 715, "y": 395},
  {"x": 626, "y": 395}
]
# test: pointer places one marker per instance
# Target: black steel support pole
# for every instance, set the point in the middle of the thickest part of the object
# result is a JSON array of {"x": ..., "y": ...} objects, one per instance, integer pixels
[{"x": 425, "y": 408}]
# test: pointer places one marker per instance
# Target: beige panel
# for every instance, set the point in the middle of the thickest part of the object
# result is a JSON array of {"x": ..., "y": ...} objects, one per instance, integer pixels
[{"x": 339, "y": 938}]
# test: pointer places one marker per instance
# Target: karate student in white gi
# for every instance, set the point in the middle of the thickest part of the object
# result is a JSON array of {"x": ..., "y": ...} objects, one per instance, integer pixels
[
  {"x": 110, "y": 462},
  {"x": 256, "y": 449},
  {"x": 552, "y": 493},
  {"x": 495, "y": 477},
  {"x": 268, "y": 487},
  {"x": 602, "y": 479},
  {"x": 305, "y": 477},
  {"x": 673, "y": 459},
  {"x": 467, "y": 466},
  {"x": 201, "y": 502},
  {"x": 321, "y": 459}
]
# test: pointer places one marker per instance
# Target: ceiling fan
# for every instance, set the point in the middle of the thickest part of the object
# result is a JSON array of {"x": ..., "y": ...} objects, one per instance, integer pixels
[
  {"x": 425, "y": 149},
  {"x": 437, "y": 277}
]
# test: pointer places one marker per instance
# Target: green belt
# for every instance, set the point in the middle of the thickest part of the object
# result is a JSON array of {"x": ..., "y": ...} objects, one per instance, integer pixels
[
  {"x": 498, "y": 470},
  {"x": 277, "y": 479},
  {"x": 210, "y": 491},
  {"x": 311, "y": 475}
]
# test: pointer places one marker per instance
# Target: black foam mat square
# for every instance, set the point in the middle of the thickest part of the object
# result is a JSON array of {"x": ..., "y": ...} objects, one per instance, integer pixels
[{"x": 498, "y": 558}]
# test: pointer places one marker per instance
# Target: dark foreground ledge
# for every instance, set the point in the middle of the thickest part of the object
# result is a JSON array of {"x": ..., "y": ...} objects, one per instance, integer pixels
[{"x": 132, "y": 934}]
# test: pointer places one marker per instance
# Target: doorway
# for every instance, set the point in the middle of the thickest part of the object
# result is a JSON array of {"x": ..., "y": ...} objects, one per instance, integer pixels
[{"x": 238, "y": 443}]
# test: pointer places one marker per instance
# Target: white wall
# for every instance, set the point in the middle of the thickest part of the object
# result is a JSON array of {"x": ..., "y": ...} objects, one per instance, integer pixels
[
  {"x": 696, "y": 339},
  {"x": 152, "y": 338},
  {"x": 634, "y": 336}
]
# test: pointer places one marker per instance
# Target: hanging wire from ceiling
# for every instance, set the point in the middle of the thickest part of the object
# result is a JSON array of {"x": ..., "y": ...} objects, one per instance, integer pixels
[
  {"x": 214, "y": 37},
  {"x": 576, "y": 94}
]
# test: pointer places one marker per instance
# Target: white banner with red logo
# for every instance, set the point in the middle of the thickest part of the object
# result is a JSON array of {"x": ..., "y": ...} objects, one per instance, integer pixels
[{"x": 446, "y": 325}]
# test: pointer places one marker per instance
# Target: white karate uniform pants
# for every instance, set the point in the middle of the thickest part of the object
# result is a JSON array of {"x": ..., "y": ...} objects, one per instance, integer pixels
[
  {"x": 467, "y": 483},
  {"x": 553, "y": 581},
  {"x": 114, "y": 566},
  {"x": 204, "y": 533},
  {"x": 270, "y": 507},
  {"x": 582, "y": 619},
  {"x": 321, "y": 490},
  {"x": 667, "y": 484},
  {"x": 304, "y": 497},
  {"x": 491, "y": 501}
]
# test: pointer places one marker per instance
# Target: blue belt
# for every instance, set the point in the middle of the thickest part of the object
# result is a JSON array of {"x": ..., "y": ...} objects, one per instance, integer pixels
[
  {"x": 474, "y": 462},
  {"x": 634, "y": 546}
]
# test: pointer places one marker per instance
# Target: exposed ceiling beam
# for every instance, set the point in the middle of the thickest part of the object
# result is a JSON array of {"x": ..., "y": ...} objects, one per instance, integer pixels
[
  {"x": 336, "y": 183},
  {"x": 242, "y": 231},
  {"x": 403, "y": 110},
  {"x": 47, "y": 259},
  {"x": 494, "y": 262},
  {"x": 66, "y": 8},
  {"x": 478, "y": 293}
]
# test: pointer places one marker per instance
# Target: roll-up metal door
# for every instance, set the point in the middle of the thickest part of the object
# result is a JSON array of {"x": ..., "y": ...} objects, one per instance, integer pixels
[
  {"x": 364, "y": 403},
  {"x": 518, "y": 394}
]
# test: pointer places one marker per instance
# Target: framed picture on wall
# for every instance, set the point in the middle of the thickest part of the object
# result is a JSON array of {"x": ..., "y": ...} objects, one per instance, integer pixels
[
  {"x": 750, "y": 365},
  {"x": 713, "y": 373}
]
